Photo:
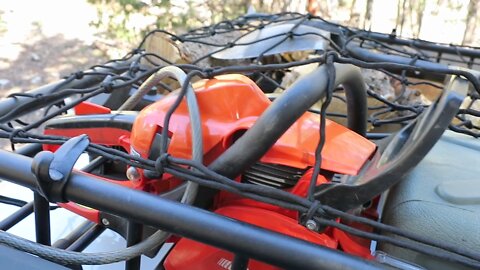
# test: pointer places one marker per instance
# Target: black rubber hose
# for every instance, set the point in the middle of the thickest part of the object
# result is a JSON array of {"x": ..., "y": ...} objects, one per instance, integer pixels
[{"x": 286, "y": 109}]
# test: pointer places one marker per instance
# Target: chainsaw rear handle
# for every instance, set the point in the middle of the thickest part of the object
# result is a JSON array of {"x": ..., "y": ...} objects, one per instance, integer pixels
[
  {"x": 286, "y": 109},
  {"x": 397, "y": 154},
  {"x": 197, "y": 224}
]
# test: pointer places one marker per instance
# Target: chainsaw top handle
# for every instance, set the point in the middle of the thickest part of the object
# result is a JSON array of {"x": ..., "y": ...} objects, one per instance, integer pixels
[
  {"x": 283, "y": 112},
  {"x": 286, "y": 109}
]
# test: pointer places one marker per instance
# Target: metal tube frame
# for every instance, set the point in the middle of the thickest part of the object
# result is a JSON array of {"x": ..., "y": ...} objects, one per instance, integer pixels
[
  {"x": 426, "y": 45},
  {"x": 74, "y": 235},
  {"x": 87, "y": 238},
  {"x": 134, "y": 236},
  {"x": 42, "y": 219},
  {"x": 393, "y": 39},
  {"x": 16, "y": 217},
  {"x": 240, "y": 262}
]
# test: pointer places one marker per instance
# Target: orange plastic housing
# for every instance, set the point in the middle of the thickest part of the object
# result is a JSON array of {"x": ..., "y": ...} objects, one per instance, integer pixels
[
  {"x": 231, "y": 104},
  {"x": 189, "y": 254}
]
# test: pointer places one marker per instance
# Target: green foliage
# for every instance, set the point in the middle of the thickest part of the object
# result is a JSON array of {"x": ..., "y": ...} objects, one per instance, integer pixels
[
  {"x": 128, "y": 20},
  {"x": 3, "y": 25}
]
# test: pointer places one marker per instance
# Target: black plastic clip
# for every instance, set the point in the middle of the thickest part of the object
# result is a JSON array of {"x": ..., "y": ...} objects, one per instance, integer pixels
[
  {"x": 52, "y": 170},
  {"x": 393, "y": 34}
]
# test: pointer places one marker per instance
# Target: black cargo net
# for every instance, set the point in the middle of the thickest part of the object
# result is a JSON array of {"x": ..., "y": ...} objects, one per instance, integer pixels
[{"x": 271, "y": 59}]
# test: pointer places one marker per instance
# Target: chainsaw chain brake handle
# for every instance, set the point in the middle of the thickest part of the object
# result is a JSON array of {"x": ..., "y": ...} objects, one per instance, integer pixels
[
  {"x": 52, "y": 170},
  {"x": 398, "y": 153}
]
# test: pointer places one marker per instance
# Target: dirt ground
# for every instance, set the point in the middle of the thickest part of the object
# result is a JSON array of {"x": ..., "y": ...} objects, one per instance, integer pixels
[{"x": 42, "y": 41}]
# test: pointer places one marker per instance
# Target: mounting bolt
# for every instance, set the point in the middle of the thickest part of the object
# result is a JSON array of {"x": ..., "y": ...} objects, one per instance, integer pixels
[
  {"x": 311, "y": 225},
  {"x": 133, "y": 174},
  {"x": 105, "y": 222}
]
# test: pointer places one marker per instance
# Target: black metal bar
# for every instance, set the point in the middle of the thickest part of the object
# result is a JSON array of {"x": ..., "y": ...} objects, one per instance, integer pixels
[
  {"x": 16, "y": 217},
  {"x": 42, "y": 219},
  {"x": 26, "y": 209},
  {"x": 426, "y": 45},
  {"x": 86, "y": 239},
  {"x": 134, "y": 236},
  {"x": 367, "y": 55},
  {"x": 74, "y": 235},
  {"x": 377, "y": 136},
  {"x": 29, "y": 150},
  {"x": 439, "y": 57},
  {"x": 240, "y": 262},
  {"x": 438, "y": 75},
  {"x": 235, "y": 236},
  {"x": 12, "y": 201},
  {"x": 95, "y": 163}
]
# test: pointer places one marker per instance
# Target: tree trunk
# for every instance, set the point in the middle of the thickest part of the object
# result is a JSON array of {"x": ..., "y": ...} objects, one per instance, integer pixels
[
  {"x": 401, "y": 12},
  {"x": 354, "y": 18},
  {"x": 352, "y": 7},
  {"x": 420, "y": 12},
  {"x": 368, "y": 14},
  {"x": 471, "y": 22}
]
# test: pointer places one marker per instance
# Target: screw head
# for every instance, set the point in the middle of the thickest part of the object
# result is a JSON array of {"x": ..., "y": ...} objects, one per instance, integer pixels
[
  {"x": 311, "y": 225},
  {"x": 133, "y": 174},
  {"x": 105, "y": 222}
]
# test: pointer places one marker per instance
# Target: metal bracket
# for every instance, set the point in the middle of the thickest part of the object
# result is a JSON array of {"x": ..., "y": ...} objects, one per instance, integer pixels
[{"x": 52, "y": 170}]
